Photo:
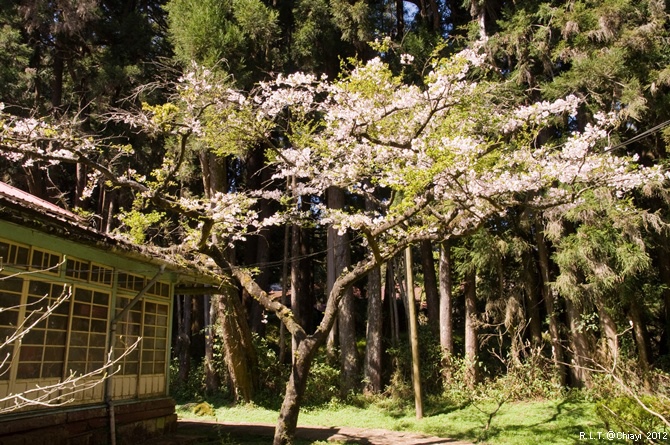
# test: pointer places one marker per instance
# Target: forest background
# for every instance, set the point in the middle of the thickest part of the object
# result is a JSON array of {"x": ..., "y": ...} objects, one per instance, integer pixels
[{"x": 546, "y": 296}]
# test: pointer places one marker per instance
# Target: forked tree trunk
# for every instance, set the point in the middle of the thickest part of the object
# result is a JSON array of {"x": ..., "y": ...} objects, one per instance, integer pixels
[{"x": 295, "y": 391}]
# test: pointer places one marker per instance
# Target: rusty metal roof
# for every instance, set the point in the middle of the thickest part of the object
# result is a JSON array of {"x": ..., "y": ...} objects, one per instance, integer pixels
[{"x": 19, "y": 196}]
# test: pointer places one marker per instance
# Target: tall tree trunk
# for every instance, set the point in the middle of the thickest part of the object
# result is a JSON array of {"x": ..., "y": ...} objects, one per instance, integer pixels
[
  {"x": 581, "y": 350},
  {"x": 413, "y": 333},
  {"x": 393, "y": 303},
  {"x": 373, "y": 344},
  {"x": 285, "y": 299},
  {"x": 430, "y": 283},
  {"x": 400, "y": 19},
  {"x": 184, "y": 336},
  {"x": 57, "y": 79},
  {"x": 257, "y": 248},
  {"x": 239, "y": 353},
  {"x": 297, "y": 290},
  {"x": 346, "y": 319},
  {"x": 295, "y": 391},
  {"x": 471, "y": 330},
  {"x": 609, "y": 332},
  {"x": 478, "y": 12},
  {"x": 549, "y": 303},
  {"x": 446, "y": 310},
  {"x": 532, "y": 300},
  {"x": 212, "y": 382},
  {"x": 331, "y": 276},
  {"x": 641, "y": 336}
]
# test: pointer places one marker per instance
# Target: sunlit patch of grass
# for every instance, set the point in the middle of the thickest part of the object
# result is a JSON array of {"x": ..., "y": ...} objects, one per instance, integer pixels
[{"x": 557, "y": 421}]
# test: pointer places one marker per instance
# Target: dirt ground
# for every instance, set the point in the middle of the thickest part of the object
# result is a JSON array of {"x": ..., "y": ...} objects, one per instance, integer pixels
[{"x": 199, "y": 431}]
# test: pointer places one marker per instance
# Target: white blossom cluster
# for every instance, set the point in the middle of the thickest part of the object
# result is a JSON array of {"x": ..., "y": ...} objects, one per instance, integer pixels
[{"x": 371, "y": 134}]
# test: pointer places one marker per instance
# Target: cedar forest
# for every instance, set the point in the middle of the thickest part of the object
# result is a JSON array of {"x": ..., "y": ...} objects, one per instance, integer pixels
[{"x": 306, "y": 151}]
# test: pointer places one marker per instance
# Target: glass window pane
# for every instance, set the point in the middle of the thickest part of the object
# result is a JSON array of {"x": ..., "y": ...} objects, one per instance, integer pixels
[
  {"x": 28, "y": 371},
  {"x": 30, "y": 353},
  {"x": 52, "y": 370}
]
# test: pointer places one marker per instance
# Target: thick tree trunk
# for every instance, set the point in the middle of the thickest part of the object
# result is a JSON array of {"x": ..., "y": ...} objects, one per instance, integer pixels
[
  {"x": 301, "y": 297},
  {"x": 239, "y": 353},
  {"x": 549, "y": 302},
  {"x": 446, "y": 311},
  {"x": 430, "y": 283},
  {"x": 373, "y": 344},
  {"x": 257, "y": 249},
  {"x": 471, "y": 330},
  {"x": 531, "y": 299},
  {"x": 609, "y": 332},
  {"x": 581, "y": 350},
  {"x": 295, "y": 391},
  {"x": 346, "y": 319},
  {"x": 641, "y": 335}
]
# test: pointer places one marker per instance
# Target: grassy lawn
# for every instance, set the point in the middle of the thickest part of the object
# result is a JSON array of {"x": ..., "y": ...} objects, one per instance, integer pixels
[{"x": 535, "y": 422}]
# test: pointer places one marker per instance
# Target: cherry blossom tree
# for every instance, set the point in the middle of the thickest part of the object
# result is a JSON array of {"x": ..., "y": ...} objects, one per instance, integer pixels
[{"x": 438, "y": 161}]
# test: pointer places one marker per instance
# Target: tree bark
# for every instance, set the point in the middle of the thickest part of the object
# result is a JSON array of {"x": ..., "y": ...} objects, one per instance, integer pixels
[
  {"x": 346, "y": 320},
  {"x": 430, "y": 283},
  {"x": 446, "y": 310},
  {"x": 184, "y": 336},
  {"x": 580, "y": 346},
  {"x": 413, "y": 333},
  {"x": 373, "y": 344},
  {"x": 239, "y": 353},
  {"x": 641, "y": 335},
  {"x": 212, "y": 382},
  {"x": 532, "y": 300},
  {"x": 295, "y": 391},
  {"x": 609, "y": 332},
  {"x": 285, "y": 299},
  {"x": 393, "y": 303},
  {"x": 549, "y": 303},
  {"x": 471, "y": 330}
]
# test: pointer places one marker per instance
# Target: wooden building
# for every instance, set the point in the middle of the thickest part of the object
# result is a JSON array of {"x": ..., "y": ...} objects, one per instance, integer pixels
[{"x": 113, "y": 293}]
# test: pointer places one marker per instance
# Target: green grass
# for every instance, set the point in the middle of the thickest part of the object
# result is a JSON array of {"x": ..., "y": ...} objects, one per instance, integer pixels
[{"x": 535, "y": 422}]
